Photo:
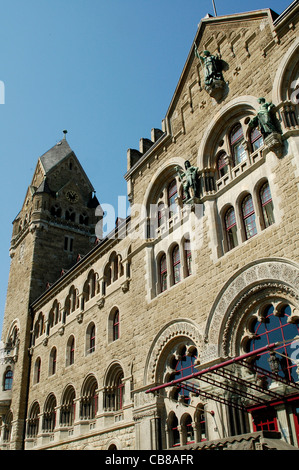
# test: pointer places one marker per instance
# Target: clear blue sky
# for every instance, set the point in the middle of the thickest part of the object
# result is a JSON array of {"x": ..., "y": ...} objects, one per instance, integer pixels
[{"x": 104, "y": 70}]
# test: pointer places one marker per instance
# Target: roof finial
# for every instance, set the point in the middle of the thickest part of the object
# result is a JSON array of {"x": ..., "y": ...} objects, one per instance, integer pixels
[{"x": 65, "y": 132}]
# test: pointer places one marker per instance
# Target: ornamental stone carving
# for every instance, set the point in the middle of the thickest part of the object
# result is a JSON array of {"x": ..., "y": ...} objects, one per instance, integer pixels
[
  {"x": 272, "y": 277},
  {"x": 176, "y": 329}
]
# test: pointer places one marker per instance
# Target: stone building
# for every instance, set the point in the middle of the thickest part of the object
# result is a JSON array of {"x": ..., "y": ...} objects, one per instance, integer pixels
[{"x": 178, "y": 328}]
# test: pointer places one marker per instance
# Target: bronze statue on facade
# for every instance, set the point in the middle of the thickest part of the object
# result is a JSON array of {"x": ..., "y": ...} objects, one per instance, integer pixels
[
  {"x": 212, "y": 65},
  {"x": 190, "y": 179},
  {"x": 264, "y": 119}
]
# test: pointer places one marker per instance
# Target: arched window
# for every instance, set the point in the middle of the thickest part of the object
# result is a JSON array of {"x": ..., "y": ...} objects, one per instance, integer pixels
[
  {"x": 172, "y": 195},
  {"x": 114, "y": 396},
  {"x": 222, "y": 165},
  {"x": 114, "y": 269},
  {"x": 90, "y": 338},
  {"x": 33, "y": 421},
  {"x": 174, "y": 431},
  {"x": 67, "y": 410},
  {"x": 39, "y": 326},
  {"x": 188, "y": 257},
  {"x": 89, "y": 288},
  {"x": 7, "y": 428},
  {"x": 53, "y": 316},
  {"x": 267, "y": 205},
  {"x": 71, "y": 301},
  {"x": 70, "y": 353},
  {"x": 13, "y": 337},
  {"x": 163, "y": 273},
  {"x": 231, "y": 228},
  {"x": 70, "y": 215},
  {"x": 183, "y": 365},
  {"x": 49, "y": 416},
  {"x": 83, "y": 219},
  {"x": 161, "y": 214},
  {"x": 176, "y": 265},
  {"x": 8, "y": 377},
  {"x": 112, "y": 447},
  {"x": 89, "y": 400},
  {"x": 248, "y": 214},
  {"x": 116, "y": 326},
  {"x": 187, "y": 430},
  {"x": 236, "y": 139},
  {"x": 201, "y": 424},
  {"x": 55, "y": 211},
  {"x": 53, "y": 361},
  {"x": 37, "y": 370},
  {"x": 273, "y": 326},
  {"x": 256, "y": 139}
]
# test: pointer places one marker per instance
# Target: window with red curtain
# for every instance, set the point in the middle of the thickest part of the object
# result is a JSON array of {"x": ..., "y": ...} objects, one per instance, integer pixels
[
  {"x": 176, "y": 265},
  {"x": 163, "y": 273},
  {"x": 92, "y": 339},
  {"x": 249, "y": 217},
  {"x": 172, "y": 195},
  {"x": 116, "y": 326},
  {"x": 236, "y": 138},
  {"x": 231, "y": 228},
  {"x": 256, "y": 139},
  {"x": 72, "y": 351},
  {"x": 267, "y": 205}
]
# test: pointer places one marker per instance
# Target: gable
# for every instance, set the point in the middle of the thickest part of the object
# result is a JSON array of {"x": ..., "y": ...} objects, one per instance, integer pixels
[{"x": 235, "y": 39}]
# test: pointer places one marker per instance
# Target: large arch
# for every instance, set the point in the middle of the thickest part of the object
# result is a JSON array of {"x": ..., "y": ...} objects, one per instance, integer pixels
[
  {"x": 165, "y": 171},
  {"x": 235, "y": 109},
  {"x": 256, "y": 280},
  {"x": 284, "y": 74},
  {"x": 180, "y": 328}
]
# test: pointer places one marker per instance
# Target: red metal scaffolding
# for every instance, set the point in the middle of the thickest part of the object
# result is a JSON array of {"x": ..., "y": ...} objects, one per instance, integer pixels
[{"x": 243, "y": 393}]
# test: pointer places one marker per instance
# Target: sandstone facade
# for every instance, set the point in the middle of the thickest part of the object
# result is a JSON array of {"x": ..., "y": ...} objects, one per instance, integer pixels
[{"x": 172, "y": 290}]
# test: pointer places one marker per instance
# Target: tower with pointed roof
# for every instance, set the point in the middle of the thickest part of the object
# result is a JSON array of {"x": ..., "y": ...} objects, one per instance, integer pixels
[
  {"x": 179, "y": 329},
  {"x": 54, "y": 228}
]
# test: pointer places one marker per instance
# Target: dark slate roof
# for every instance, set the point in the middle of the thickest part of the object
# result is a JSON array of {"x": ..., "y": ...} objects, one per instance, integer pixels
[
  {"x": 44, "y": 187},
  {"x": 55, "y": 155}
]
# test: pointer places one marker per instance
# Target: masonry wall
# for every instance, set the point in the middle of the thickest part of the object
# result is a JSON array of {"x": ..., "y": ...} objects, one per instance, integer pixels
[{"x": 253, "y": 51}]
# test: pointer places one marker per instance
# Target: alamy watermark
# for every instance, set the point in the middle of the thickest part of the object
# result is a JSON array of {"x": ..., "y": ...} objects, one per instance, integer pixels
[{"x": 171, "y": 223}]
